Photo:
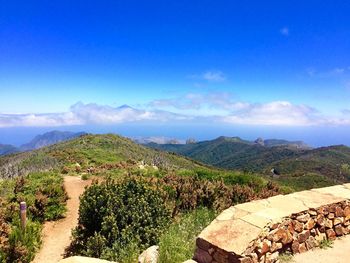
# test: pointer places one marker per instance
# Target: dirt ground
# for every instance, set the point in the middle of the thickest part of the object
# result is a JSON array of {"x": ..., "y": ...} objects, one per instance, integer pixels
[{"x": 56, "y": 235}]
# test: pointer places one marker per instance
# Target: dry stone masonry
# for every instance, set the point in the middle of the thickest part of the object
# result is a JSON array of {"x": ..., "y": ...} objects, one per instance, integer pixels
[{"x": 259, "y": 231}]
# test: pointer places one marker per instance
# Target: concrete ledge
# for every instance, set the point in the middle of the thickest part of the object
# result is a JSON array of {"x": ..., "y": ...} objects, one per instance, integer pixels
[{"x": 258, "y": 230}]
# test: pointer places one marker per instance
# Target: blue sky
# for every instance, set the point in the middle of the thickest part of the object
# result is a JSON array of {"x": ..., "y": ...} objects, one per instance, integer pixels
[{"x": 265, "y": 65}]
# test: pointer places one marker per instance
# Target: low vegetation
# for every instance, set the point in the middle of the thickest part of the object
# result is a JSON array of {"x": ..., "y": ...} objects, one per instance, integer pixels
[
  {"x": 45, "y": 197},
  {"x": 177, "y": 244},
  {"x": 290, "y": 160},
  {"x": 285, "y": 257},
  {"x": 114, "y": 218},
  {"x": 142, "y": 197},
  {"x": 326, "y": 243},
  {"x": 124, "y": 216},
  {"x": 89, "y": 151}
]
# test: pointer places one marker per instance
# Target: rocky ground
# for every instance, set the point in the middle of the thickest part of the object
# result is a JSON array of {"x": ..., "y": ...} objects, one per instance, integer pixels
[{"x": 338, "y": 253}]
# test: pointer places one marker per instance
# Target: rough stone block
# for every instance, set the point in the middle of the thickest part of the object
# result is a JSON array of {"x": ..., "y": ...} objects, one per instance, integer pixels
[
  {"x": 331, "y": 216},
  {"x": 202, "y": 256},
  {"x": 203, "y": 244},
  {"x": 339, "y": 212},
  {"x": 276, "y": 246},
  {"x": 298, "y": 227},
  {"x": 310, "y": 224},
  {"x": 303, "y": 218},
  {"x": 302, "y": 248},
  {"x": 330, "y": 234},
  {"x": 339, "y": 230},
  {"x": 328, "y": 223},
  {"x": 303, "y": 236},
  {"x": 295, "y": 247},
  {"x": 311, "y": 243},
  {"x": 347, "y": 211}
]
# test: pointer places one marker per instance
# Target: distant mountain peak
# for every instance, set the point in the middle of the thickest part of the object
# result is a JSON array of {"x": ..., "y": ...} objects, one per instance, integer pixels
[
  {"x": 227, "y": 138},
  {"x": 260, "y": 141},
  {"x": 124, "y": 107},
  {"x": 49, "y": 138}
]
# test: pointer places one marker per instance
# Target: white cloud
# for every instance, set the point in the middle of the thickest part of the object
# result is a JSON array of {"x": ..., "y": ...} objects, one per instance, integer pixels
[
  {"x": 333, "y": 72},
  {"x": 29, "y": 120},
  {"x": 216, "y": 76},
  {"x": 210, "y": 76},
  {"x": 337, "y": 71},
  {"x": 81, "y": 114},
  {"x": 284, "y": 31},
  {"x": 281, "y": 113},
  {"x": 278, "y": 113}
]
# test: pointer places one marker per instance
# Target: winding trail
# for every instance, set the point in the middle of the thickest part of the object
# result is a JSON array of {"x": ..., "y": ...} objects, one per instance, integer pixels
[{"x": 56, "y": 234}]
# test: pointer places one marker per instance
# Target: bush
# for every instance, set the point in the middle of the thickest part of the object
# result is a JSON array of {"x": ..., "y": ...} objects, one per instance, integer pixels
[
  {"x": 45, "y": 198},
  {"x": 189, "y": 192},
  {"x": 119, "y": 219},
  {"x": 22, "y": 245},
  {"x": 115, "y": 217}
]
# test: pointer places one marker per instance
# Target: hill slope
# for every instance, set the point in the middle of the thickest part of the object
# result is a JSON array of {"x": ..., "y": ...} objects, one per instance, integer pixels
[
  {"x": 89, "y": 151},
  {"x": 332, "y": 161},
  {"x": 289, "y": 160},
  {"x": 232, "y": 153}
]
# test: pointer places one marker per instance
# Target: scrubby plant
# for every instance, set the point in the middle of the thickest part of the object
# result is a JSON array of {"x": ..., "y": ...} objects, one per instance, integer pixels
[
  {"x": 120, "y": 218},
  {"x": 189, "y": 192},
  {"x": 115, "y": 216},
  {"x": 23, "y": 244},
  {"x": 285, "y": 257},
  {"x": 45, "y": 197},
  {"x": 326, "y": 243}
]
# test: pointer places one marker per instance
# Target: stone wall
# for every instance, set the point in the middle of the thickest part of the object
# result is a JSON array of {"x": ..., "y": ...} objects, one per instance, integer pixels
[{"x": 260, "y": 230}]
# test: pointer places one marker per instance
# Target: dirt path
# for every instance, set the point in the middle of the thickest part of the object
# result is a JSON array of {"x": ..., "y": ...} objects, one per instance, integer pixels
[
  {"x": 56, "y": 235},
  {"x": 339, "y": 253}
]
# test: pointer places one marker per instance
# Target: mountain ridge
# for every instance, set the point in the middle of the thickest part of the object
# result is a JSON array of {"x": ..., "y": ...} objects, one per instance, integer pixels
[
  {"x": 39, "y": 141},
  {"x": 89, "y": 151},
  {"x": 288, "y": 159}
]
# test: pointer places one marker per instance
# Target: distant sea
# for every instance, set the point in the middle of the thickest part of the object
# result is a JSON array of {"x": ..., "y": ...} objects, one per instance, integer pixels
[{"x": 314, "y": 136}]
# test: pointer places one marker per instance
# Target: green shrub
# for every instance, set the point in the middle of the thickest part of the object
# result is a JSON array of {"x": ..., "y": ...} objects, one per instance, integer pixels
[
  {"x": 114, "y": 217},
  {"x": 189, "y": 192},
  {"x": 23, "y": 244},
  {"x": 84, "y": 177},
  {"x": 45, "y": 198}
]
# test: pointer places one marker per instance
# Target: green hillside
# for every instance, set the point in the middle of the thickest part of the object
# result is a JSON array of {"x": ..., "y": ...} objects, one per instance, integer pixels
[
  {"x": 89, "y": 151},
  {"x": 300, "y": 167},
  {"x": 232, "y": 153},
  {"x": 332, "y": 161},
  {"x": 147, "y": 184},
  {"x": 182, "y": 186}
]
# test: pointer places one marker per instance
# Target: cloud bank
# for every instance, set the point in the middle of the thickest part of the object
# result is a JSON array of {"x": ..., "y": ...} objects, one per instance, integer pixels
[
  {"x": 82, "y": 114},
  {"x": 232, "y": 112}
]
